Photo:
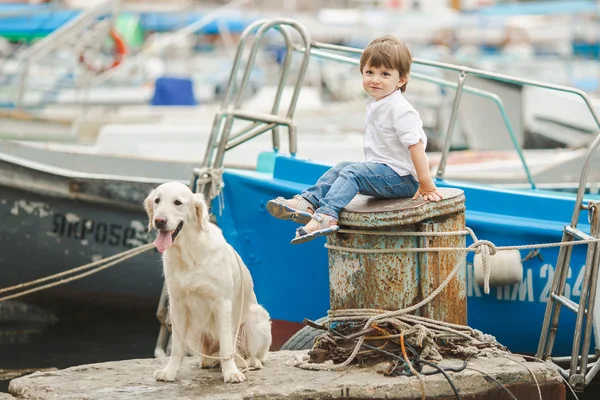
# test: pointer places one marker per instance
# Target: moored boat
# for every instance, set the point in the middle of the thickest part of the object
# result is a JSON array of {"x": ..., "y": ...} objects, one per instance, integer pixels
[{"x": 62, "y": 208}]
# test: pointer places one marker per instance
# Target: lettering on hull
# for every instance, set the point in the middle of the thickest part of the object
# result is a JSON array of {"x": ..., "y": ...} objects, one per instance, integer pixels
[
  {"x": 87, "y": 230},
  {"x": 527, "y": 291}
]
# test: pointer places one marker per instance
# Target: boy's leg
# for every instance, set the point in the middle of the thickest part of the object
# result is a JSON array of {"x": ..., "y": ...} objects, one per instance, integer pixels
[
  {"x": 301, "y": 207},
  {"x": 319, "y": 190},
  {"x": 352, "y": 179},
  {"x": 372, "y": 179},
  {"x": 367, "y": 178}
]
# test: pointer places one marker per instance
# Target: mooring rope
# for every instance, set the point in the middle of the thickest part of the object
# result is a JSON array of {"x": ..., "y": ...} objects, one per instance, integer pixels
[
  {"x": 483, "y": 247},
  {"x": 110, "y": 261},
  {"x": 214, "y": 178}
]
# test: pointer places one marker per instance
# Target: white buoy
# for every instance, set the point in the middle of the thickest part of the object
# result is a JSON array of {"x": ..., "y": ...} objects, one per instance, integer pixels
[{"x": 505, "y": 268}]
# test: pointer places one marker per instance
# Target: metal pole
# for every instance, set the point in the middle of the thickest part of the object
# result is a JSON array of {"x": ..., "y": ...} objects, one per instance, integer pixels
[
  {"x": 23, "y": 76},
  {"x": 446, "y": 149},
  {"x": 583, "y": 179}
]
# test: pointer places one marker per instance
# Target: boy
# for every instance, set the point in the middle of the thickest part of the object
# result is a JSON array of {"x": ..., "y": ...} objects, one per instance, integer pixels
[{"x": 394, "y": 145}]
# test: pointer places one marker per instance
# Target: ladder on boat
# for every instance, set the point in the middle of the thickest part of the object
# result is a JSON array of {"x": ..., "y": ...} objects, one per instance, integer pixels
[
  {"x": 206, "y": 179},
  {"x": 580, "y": 372}
]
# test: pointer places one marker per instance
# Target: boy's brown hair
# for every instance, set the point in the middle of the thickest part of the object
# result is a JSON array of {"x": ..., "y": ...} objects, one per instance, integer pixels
[{"x": 388, "y": 52}]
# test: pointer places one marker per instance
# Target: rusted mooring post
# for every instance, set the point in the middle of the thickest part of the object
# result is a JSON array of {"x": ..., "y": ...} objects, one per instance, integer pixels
[{"x": 391, "y": 281}]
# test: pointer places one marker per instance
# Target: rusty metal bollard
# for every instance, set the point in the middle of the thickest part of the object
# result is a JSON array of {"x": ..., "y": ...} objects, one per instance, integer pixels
[{"x": 392, "y": 281}]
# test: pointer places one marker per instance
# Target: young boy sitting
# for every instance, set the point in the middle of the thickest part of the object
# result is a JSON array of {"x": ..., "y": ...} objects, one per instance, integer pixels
[{"x": 396, "y": 164}]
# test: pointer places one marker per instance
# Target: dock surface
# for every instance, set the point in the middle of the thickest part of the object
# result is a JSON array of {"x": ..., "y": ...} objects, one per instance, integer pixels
[{"x": 133, "y": 379}]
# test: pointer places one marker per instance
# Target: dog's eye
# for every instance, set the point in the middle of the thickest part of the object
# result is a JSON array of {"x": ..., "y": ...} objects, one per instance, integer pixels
[
  {"x": 157, "y": 200},
  {"x": 177, "y": 203}
]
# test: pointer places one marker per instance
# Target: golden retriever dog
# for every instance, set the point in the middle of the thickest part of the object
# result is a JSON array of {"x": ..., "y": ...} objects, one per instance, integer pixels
[{"x": 211, "y": 293}]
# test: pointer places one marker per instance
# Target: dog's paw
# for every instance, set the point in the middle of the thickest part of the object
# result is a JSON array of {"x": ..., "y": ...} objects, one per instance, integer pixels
[
  {"x": 254, "y": 363},
  {"x": 165, "y": 375},
  {"x": 233, "y": 377}
]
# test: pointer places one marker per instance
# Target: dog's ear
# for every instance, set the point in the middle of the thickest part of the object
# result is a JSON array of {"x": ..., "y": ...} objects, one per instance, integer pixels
[
  {"x": 149, "y": 207},
  {"x": 201, "y": 211}
]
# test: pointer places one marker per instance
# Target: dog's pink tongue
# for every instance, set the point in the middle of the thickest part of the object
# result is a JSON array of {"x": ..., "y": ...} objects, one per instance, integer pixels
[{"x": 163, "y": 240}]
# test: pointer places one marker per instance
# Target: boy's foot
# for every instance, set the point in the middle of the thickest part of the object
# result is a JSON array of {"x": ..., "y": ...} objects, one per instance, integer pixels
[
  {"x": 297, "y": 209},
  {"x": 319, "y": 225}
]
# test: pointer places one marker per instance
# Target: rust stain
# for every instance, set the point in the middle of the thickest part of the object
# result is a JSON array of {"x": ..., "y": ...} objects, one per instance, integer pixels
[
  {"x": 594, "y": 211},
  {"x": 451, "y": 304},
  {"x": 397, "y": 280}
]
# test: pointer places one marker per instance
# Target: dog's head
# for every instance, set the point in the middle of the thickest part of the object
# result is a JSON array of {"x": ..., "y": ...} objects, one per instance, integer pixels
[{"x": 172, "y": 207}]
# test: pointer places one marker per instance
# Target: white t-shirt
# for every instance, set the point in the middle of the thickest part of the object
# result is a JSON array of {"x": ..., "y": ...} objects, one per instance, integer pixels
[{"x": 391, "y": 126}]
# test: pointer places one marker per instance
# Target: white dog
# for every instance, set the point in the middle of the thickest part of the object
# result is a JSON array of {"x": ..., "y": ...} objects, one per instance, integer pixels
[{"x": 210, "y": 289}]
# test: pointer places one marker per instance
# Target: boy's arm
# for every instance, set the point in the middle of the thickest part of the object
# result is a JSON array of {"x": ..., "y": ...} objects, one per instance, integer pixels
[{"x": 427, "y": 188}]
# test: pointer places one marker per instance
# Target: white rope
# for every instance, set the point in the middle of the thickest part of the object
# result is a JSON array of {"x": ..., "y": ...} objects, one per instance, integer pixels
[
  {"x": 115, "y": 259},
  {"x": 402, "y": 233},
  {"x": 214, "y": 178},
  {"x": 373, "y": 316},
  {"x": 483, "y": 247}
]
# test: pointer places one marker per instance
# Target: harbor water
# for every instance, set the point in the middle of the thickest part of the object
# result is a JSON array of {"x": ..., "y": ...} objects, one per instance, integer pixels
[{"x": 81, "y": 337}]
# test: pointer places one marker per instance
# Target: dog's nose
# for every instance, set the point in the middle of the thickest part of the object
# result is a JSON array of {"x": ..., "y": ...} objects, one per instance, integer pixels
[{"x": 160, "y": 222}]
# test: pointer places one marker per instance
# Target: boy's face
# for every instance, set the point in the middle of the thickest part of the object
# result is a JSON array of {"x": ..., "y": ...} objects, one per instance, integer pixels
[{"x": 381, "y": 82}]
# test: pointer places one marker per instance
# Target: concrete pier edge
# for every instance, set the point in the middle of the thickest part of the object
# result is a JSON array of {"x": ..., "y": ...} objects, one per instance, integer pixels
[{"x": 279, "y": 379}]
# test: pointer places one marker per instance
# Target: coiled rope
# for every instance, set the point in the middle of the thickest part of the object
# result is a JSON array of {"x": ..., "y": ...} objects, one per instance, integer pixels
[{"x": 483, "y": 247}]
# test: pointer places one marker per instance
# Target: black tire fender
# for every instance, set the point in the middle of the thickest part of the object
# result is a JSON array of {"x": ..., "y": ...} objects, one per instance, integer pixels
[{"x": 304, "y": 338}]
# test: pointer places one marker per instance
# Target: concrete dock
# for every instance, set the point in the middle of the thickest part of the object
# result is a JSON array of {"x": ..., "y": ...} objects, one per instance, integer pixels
[{"x": 132, "y": 379}]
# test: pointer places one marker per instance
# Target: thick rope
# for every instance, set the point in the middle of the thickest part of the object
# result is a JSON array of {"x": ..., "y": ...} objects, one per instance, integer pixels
[
  {"x": 304, "y": 364},
  {"x": 213, "y": 177},
  {"x": 400, "y": 233},
  {"x": 115, "y": 259},
  {"x": 483, "y": 247}
]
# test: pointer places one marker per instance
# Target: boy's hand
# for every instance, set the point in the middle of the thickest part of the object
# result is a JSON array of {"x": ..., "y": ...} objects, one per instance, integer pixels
[{"x": 429, "y": 192}]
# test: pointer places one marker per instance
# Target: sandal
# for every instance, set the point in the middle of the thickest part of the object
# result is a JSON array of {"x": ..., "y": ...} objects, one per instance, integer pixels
[
  {"x": 303, "y": 235},
  {"x": 279, "y": 208}
]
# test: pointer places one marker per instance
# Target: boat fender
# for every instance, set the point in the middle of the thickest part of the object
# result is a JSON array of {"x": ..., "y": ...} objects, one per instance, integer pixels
[
  {"x": 119, "y": 52},
  {"x": 304, "y": 339},
  {"x": 506, "y": 268}
]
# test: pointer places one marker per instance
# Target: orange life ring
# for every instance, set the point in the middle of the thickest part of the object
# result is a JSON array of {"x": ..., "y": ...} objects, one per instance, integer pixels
[{"x": 120, "y": 50}]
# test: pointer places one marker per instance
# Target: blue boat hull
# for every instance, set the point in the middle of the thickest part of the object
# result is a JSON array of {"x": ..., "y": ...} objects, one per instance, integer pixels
[
  {"x": 292, "y": 280},
  {"x": 41, "y": 235}
]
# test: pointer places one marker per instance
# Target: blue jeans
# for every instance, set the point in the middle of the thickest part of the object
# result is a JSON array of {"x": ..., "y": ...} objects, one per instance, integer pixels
[{"x": 338, "y": 186}]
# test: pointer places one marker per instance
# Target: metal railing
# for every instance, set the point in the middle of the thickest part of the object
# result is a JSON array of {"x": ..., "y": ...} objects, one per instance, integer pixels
[
  {"x": 445, "y": 83},
  {"x": 463, "y": 72}
]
